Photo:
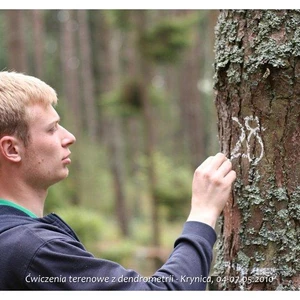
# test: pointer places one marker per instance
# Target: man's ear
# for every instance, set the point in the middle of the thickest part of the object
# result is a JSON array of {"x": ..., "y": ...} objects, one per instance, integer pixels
[{"x": 10, "y": 148}]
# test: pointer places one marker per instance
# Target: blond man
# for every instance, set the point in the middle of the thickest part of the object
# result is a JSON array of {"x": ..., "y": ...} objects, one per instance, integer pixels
[{"x": 42, "y": 252}]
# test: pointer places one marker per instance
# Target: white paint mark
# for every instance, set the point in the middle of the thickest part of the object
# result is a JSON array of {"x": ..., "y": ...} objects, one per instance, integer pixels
[
  {"x": 253, "y": 133},
  {"x": 235, "y": 152}
]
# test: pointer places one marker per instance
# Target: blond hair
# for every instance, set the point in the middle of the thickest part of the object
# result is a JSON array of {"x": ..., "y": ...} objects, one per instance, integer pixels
[{"x": 17, "y": 92}]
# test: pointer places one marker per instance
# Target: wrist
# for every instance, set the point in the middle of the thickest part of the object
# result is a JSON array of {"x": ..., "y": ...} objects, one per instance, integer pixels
[{"x": 208, "y": 219}]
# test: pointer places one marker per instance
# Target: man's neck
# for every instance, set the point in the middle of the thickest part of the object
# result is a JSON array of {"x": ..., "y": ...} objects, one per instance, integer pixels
[
  {"x": 31, "y": 206},
  {"x": 4, "y": 202},
  {"x": 22, "y": 195}
]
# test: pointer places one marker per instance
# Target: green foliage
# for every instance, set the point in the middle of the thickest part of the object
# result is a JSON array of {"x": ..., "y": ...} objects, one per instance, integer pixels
[
  {"x": 173, "y": 190},
  {"x": 132, "y": 93},
  {"x": 95, "y": 180},
  {"x": 59, "y": 196},
  {"x": 165, "y": 41},
  {"x": 120, "y": 251},
  {"x": 119, "y": 18},
  {"x": 111, "y": 103},
  {"x": 90, "y": 183},
  {"x": 126, "y": 100},
  {"x": 141, "y": 231},
  {"x": 87, "y": 224}
]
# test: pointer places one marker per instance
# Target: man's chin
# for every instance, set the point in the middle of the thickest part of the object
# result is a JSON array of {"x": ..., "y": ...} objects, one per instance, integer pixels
[
  {"x": 66, "y": 173},
  {"x": 62, "y": 176}
]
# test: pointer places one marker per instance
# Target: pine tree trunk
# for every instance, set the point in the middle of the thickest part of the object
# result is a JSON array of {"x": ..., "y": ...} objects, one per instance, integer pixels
[
  {"x": 257, "y": 79},
  {"x": 70, "y": 68},
  {"x": 146, "y": 75},
  {"x": 191, "y": 104},
  {"x": 70, "y": 75},
  {"x": 87, "y": 78},
  {"x": 38, "y": 29},
  {"x": 134, "y": 142},
  {"x": 17, "y": 52},
  {"x": 113, "y": 124}
]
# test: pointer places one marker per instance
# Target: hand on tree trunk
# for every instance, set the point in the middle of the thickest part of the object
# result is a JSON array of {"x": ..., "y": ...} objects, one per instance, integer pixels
[{"x": 211, "y": 187}]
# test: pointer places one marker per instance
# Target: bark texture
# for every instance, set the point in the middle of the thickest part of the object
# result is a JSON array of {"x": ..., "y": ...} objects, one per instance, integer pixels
[{"x": 257, "y": 83}]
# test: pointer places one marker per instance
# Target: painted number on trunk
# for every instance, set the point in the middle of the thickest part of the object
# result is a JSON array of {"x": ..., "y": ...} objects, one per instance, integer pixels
[{"x": 250, "y": 136}]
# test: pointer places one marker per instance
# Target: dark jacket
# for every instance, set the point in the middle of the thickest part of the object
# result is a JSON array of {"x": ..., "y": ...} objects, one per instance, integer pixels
[{"x": 45, "y": 254}]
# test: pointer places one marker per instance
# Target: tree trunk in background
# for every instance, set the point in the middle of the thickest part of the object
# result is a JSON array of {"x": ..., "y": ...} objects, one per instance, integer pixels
[
  {"x": 70, "y": 71},
  {"x": 103, "y": 72},
  {"x": 70, "y": 68},
  {"x": 117, "y": 162},
  {"x": 146, "y": 75},
  {"x": 114, "y": 136},
  {"x": 258, "y": 88},
  {"x": 192, "y": 108},
  {"x": 133, "y": 122},
  {"x": 208, "y": 23},
  {"x": 87, "y": 78},
  {"x": 17, "y": 52},
  {"x": 38, "y": 42}
]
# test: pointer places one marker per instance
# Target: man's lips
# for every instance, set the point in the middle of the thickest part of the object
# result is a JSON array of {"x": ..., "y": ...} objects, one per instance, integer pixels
[{"x": 67, "y": 159}]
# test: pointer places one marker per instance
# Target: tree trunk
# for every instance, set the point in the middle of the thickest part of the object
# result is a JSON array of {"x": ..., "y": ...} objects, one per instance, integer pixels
[
  {"x": 206, "y": 84},
  {"x": 192, "y": 108},
  {"x": 113, "y": 124},
  {"x": 117, "y": 164},
  {"x": 38, "y": 42},
  {"x": 146, "y": 75},
  {"x": 257, "y": 79},
  {"x": 88, "y": 86},
  {"x": 17, "y": 52},
  {"x": 70, "y": 70},
  {"x": 133, "y": 123}
]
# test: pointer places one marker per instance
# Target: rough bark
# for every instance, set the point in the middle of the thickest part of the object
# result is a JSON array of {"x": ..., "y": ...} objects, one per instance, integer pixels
[{"x": 257, "y": 80}]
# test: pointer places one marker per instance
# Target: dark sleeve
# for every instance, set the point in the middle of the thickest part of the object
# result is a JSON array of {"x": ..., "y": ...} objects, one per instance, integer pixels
[{"x": 61, "y": 264}]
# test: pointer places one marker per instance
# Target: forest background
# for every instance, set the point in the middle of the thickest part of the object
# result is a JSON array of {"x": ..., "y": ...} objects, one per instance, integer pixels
[{"x": 136, "y": 89}]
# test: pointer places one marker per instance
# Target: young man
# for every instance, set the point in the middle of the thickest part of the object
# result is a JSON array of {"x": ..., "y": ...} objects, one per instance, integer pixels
[{"x": 42, "y": 252}]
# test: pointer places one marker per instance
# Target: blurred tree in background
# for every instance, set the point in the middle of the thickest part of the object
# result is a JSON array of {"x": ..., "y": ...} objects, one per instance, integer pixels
[{"x": 135, "y": 87}]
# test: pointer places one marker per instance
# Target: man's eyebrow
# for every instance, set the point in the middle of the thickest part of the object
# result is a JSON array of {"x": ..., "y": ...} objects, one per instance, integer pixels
[{"x": 57, "y": 120}]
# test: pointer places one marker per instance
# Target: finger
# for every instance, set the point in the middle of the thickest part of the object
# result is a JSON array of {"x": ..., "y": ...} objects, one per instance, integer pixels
[
  {"x": 206, "y": 162},
  {"x": 218, "y": 160},
  {"x": 231, "y": 177},
  {"x": 225, "y": 167}
]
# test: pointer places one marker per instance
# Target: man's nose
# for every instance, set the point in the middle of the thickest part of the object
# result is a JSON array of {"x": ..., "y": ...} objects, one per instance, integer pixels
[{"x": 68, "y": 139}]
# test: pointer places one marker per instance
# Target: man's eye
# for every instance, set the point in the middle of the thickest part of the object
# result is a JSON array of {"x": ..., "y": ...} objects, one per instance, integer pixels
[{"x": 54, "y": 128}]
